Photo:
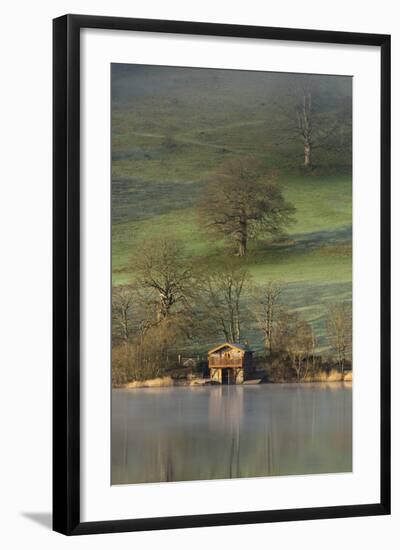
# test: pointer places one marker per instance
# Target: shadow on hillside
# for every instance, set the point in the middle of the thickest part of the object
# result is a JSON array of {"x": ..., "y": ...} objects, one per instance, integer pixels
[{"x": 316, "y": 239}]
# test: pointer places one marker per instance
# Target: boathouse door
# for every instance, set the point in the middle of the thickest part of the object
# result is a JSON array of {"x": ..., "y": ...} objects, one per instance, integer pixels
[{"x": 227, "y": 376}]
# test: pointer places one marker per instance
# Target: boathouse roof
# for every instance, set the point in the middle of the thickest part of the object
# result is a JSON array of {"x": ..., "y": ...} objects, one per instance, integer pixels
[{"x": 241, "y": 347}]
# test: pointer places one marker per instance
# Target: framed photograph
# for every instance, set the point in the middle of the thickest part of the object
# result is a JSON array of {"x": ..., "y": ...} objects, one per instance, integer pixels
[{"x": 221, "y": 274}]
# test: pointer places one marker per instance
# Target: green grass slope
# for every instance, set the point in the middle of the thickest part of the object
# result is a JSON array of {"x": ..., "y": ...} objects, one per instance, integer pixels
[{"x": 168, "y": 136}]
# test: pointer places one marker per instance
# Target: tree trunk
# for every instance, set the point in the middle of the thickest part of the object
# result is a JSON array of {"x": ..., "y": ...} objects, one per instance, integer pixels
[
  {"x": 269, "y": 327},
  {"x": 242, "y": 238},
  {"x": 342, "y": 362},
  {"x": 307, "y": 154},
  {"x": 307, "y": 128},
  {"x": 242, "y": 248},
  {"x": 126, "y": 328},
  {"x": 296, "y": 367},
  {"x": 237, "y": 327},
  {"x": 164, "y": 306}
]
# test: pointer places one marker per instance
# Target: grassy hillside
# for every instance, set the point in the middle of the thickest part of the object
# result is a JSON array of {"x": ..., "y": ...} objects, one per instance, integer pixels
[
  {"x": 318, "y": 245},
  {"x": 170, "y": 134}
]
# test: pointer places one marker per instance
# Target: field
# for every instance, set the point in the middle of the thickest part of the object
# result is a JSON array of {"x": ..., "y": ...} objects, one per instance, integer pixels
[{"x": 166, "y": 143}]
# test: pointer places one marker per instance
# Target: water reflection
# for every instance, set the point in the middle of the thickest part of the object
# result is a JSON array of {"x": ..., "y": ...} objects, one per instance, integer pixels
[{"x": 172, "y": 434}]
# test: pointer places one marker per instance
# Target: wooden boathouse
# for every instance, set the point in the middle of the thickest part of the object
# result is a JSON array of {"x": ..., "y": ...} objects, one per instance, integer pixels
[{"x": 230, "y": 363}]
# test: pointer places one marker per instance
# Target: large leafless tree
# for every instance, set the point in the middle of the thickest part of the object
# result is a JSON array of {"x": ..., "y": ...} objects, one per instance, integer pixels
[{"x": 241, "y": 202}]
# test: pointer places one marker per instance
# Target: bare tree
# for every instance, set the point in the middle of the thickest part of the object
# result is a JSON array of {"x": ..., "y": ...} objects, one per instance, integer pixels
[
  {"x": 147, "y": 354},
  {"x": 122, "y": 310},
  {"x": 161, "y": 269},
  {"x": 223, "y": 298},
  {"x": 161, "y": 318},
  {"x": 313, "y": 345},
  {"x": 295, "y": 339},
  {"x": 305, "y": 123},
  {"x": 284, "y": 321},
  {"x": 268, "y": 307},
  {"x": 153, "y": 347},
  {"x": 339, "y": 328},
  {"x": 240, "y": 202},
  {"x": 300, "y": 345},
  {"x": 310, "y": 117}
]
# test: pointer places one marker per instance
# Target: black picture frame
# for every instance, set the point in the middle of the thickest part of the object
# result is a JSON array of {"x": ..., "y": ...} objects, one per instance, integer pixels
[{"x": 66, "y": 272}]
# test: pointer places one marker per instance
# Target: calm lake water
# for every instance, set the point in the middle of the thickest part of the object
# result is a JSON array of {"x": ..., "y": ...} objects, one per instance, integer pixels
[{"x": 217, "y": 432}]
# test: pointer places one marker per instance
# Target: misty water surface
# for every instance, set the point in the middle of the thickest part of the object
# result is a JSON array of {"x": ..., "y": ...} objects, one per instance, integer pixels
[{"x": 184, "y": 433}]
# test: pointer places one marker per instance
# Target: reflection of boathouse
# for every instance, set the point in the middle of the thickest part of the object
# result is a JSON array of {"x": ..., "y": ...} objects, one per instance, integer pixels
[{"x": 230, "y": 363}]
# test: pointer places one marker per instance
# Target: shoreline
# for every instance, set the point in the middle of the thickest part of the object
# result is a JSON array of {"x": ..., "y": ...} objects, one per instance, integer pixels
[{"x": 169, "y": 382}]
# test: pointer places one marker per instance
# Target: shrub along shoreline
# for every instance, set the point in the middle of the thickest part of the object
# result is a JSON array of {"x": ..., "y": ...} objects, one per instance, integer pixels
[{"x": 334, "y": 376}]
